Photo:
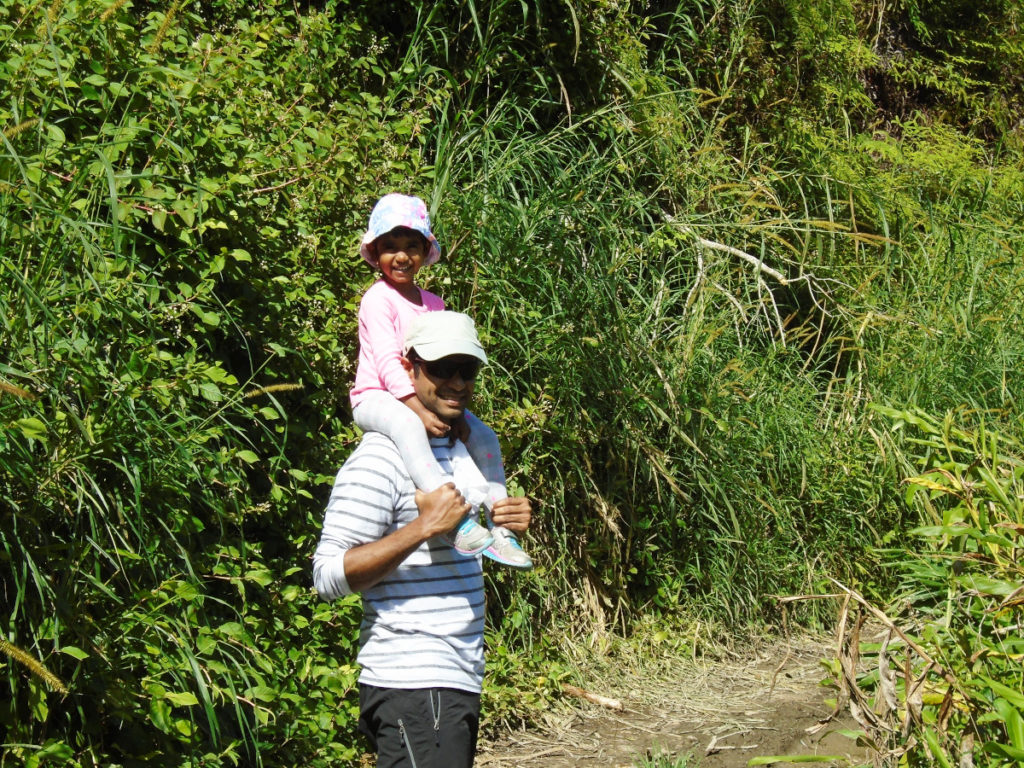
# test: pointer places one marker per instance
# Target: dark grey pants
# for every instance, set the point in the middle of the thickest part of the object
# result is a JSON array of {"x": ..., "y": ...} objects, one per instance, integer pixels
[{"x": 420, "y": 728}]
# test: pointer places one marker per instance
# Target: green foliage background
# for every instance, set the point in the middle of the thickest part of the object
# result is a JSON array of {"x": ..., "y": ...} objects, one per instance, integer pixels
[{"x": 700, "y": 239}]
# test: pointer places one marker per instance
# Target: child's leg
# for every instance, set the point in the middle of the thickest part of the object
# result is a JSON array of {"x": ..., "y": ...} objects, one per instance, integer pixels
[
  {"x": 383, "y": 412},
  {"x": 485, "y": 451},
  {"x": 468, "y": 479},
  {"x": 483, "y": 446}
]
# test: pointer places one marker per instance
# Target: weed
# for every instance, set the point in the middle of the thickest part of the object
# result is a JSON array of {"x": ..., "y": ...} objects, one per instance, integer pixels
[{"x": 660, "y": 759}]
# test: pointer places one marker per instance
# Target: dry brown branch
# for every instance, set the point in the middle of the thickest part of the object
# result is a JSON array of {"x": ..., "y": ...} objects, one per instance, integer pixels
[
  {"x": 697, "y": 280},
  {"x": 967, "y": 750},
  {"x": 723, "y": 248},
  {"x": 817, "y": 288},
  {"x": 775, "y": 675},
  {"x": 889, "y": 701},
  {"x": 636, "y": 726},
  {"x": 710, "y": 749},
  {"x": 275, "y": 187},
  {"x": 711, "y": 244},
  {"x": 594, "y": 698},
  {"x": 497, "y": 759}
]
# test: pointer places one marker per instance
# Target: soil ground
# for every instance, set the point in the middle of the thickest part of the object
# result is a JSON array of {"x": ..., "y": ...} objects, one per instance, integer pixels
[{"x": 718, "y": 714}]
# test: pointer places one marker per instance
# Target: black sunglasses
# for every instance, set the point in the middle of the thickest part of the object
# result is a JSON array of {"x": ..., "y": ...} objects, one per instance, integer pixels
[{"x": 447, "y": 367}]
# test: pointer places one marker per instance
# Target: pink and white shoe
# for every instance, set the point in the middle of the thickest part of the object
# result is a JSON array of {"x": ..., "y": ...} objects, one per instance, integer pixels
[{"x": 506, "y": 550}]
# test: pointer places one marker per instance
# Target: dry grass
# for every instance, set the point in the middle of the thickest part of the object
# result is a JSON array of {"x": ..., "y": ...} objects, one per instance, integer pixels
[{"x": 722, "y": 708}]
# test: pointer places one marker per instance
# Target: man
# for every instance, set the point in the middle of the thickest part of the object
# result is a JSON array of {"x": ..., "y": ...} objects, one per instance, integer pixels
[{"x": 421, "y": 641}]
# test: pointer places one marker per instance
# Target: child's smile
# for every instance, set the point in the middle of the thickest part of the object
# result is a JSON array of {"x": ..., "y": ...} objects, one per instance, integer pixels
[{"x": 400, "y": 254}]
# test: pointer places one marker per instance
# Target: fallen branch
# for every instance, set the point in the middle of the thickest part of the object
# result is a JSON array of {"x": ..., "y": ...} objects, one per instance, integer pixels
[
  {"x": 497, "y": 759},
  {"x": 815, "y": 285},
  {"x": 594, "y": 698},
  {"x": 714, "y": 747}
]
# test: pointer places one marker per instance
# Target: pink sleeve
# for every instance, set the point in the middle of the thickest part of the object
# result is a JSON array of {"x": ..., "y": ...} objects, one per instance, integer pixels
[{"x": 380, "y": 329}]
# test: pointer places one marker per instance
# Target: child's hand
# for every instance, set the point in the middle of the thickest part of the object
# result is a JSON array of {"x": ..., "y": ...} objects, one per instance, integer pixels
[
  {"x": 435, "y": 427},
  {"x": 433, "y": 424},
  {"x": 460, "y": 429}
]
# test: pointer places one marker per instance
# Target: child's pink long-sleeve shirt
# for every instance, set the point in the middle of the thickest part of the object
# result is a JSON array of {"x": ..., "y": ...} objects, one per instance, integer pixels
[{"x": 384, "y": 317}]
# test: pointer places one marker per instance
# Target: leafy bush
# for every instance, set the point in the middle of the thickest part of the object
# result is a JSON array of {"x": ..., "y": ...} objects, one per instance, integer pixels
[{"x": 175, "y": 325}]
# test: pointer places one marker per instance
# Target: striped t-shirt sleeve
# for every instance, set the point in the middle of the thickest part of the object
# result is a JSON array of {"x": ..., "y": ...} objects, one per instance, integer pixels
[{"x": 360, "y": 510}]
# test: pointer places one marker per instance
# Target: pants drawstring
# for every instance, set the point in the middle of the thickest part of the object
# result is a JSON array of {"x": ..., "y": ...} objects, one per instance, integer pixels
[{"x": 436, "y": 713}]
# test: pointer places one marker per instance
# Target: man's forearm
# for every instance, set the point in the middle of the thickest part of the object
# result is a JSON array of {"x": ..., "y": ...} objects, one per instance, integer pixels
[
  {"x": 439, "y": 511},
  {"x": 368, "y": 564}
]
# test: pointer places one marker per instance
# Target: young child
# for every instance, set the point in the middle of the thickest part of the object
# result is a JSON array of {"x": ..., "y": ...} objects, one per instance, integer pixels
[{"x": 398, "y": 242}]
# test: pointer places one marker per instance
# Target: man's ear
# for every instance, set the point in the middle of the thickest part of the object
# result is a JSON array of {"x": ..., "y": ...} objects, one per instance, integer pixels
[{"x": 407, "y": 364}]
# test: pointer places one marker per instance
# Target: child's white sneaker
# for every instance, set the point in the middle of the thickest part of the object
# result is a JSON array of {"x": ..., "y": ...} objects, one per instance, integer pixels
[
  {"x": 470, "y": 538},
  {"x": 506, "y": 550}
]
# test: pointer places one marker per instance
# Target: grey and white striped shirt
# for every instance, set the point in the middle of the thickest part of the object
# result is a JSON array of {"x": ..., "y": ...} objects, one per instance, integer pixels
[{"x": 423, "y": 624}]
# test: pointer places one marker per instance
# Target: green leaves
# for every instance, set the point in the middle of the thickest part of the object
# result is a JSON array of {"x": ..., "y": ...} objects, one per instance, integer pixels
[
  {"x": 961, "y": 588},
  {"x": 140, "y": 166},
  {"x": 181, "y": 699},
  {"x": 76, "y": 653},
  {"x": 31, "y": 428}
]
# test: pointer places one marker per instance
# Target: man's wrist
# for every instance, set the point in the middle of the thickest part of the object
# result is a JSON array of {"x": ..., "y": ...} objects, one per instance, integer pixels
[{"x": 419, "y": 530}]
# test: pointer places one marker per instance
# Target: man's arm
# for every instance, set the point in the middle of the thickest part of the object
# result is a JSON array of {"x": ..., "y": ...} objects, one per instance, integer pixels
[{"x": 440, "y": 511}]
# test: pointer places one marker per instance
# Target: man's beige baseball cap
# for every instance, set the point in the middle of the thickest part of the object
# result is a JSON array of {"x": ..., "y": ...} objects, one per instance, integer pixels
[{"x": 439, "y": 334}]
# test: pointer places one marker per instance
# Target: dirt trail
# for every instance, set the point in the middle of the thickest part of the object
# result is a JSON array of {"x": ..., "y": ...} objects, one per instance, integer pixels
[{"x": 722, "y": 713}]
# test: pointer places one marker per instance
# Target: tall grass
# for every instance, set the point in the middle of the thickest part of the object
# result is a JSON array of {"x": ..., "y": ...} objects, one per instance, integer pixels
[
  {"x": 690, "y": 330},
  {"x": 117, "y": 478},
  {"x": 647, "y": 362}
]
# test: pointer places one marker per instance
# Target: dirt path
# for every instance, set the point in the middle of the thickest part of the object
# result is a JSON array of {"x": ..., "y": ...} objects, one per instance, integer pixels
[{"x": 721, "y": 713}]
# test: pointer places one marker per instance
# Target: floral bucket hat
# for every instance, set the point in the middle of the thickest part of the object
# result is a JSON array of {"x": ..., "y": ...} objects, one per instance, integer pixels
[{"x": 395, "y": 210}]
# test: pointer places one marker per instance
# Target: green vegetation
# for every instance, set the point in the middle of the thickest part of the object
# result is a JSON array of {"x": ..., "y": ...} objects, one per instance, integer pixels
[
  {"x": 701, "y": 240},
  {"x": 658, "y": 759},
  {"x": 946, "y": 680}
]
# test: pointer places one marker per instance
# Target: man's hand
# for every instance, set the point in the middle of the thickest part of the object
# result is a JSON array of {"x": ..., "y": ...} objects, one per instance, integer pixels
[
  {"x": 441, "y": 509},
  {"x": 514, "y": 513}
]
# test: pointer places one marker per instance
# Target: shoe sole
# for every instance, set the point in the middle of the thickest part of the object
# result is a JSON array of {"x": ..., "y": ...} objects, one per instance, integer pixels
[{"x": 528, "y": 566}]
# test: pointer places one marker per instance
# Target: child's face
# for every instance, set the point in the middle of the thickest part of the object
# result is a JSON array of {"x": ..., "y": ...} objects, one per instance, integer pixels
[{"x": 400, "y": 254}]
